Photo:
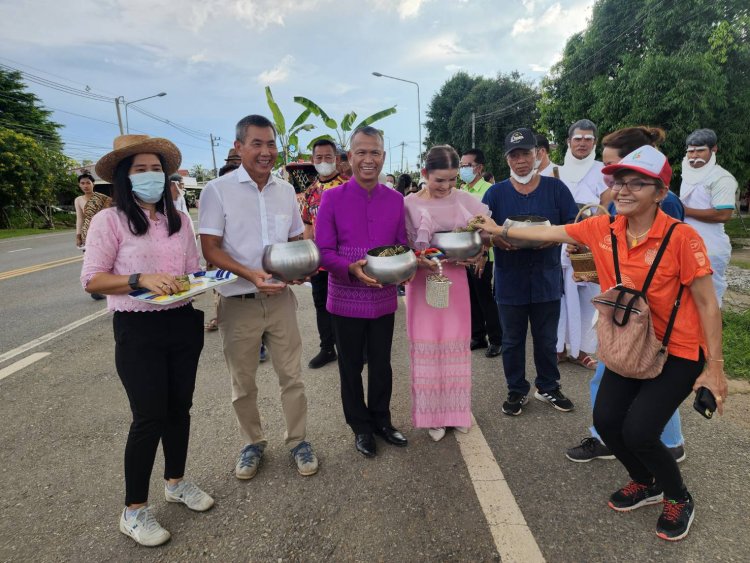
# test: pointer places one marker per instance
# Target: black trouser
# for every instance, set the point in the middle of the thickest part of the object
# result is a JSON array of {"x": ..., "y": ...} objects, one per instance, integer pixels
[
  {"x": 156, "y": 354},
  {"x": 630, "y": 415},
  {"x": 320, "y": 295},
  {"x": 351, "y": 337},
  {"x": 485, "y": 320}
]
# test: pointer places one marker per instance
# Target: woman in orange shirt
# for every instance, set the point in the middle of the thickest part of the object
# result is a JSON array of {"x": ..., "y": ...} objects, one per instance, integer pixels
[{"x": 630, "y": 414}]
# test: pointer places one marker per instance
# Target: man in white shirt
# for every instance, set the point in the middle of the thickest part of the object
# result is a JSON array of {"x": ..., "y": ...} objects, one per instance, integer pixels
[
  {"x": 240, "y": 214},
  {"x": 582, "y": 173},
  {"x": 544, "y": 166},
  {"x": 708, "y": 193},
  {"x": 177, "y": 187}
]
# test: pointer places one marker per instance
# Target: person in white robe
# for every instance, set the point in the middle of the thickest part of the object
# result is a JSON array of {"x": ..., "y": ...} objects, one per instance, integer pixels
[
  {"x": 708, "y": 193},
  {"x": 581, "y": 172}
]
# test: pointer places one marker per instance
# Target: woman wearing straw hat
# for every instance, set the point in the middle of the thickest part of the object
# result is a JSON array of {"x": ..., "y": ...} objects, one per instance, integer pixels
[
  {"x": 143, "y": 242},
  {"x": 631, "y": 413}
]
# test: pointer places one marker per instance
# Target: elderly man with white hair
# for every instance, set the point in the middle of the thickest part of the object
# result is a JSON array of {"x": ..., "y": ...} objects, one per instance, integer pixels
[{"x": 708, "y": 193}]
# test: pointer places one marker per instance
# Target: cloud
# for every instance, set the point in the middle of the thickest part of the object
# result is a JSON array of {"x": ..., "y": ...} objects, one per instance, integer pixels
[
  {"x": 439, "y": 49},
  {"x": 529, "y": 5},
  {"x": 555, "y": 20},
  {"x": 341, "y": 88},
  {"x": 199, "y": 58},
  {"x": 453, "y": 68},
  {"x": 538, "y": 68},
  {"x": 405, "y": 8},
  {"x": 277, "y": 74}
]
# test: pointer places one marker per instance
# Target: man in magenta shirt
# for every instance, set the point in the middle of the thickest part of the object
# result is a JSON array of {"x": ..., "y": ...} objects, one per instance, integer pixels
[{"x": 353, "y": 218}]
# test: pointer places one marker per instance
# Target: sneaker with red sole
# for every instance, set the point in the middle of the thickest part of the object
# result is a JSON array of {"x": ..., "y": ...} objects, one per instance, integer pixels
[
  {"x": 635, "y": 495},
  {"x": 676, "y": 518}
]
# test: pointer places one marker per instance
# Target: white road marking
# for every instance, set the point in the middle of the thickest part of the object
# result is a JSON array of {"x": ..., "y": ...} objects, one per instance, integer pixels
[
  {"x": 513, "y": 538},
  {"x": 18, "y": 250},
  {"x": 34, "y": 237},
  {"x": 20, "y": 364},
  {"x": 51, "y": 335}
]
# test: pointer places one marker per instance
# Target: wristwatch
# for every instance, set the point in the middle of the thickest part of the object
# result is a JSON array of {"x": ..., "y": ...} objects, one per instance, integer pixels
[{"x": 133, "y": 281}]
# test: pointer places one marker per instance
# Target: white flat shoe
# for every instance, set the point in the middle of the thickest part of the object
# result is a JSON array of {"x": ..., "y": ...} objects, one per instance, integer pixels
[
  {"x": 462, "y": 429},
  {"x": 437, "y": 434}
]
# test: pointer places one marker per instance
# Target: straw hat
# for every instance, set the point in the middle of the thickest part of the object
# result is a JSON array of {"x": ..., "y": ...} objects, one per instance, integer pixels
[
  {"x": 129, "y": 145},
  {"x": 233, "y": 156}
]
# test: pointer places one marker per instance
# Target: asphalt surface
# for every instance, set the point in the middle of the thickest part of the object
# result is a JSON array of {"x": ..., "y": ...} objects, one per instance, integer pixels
[{"x": 64, "y": 421}]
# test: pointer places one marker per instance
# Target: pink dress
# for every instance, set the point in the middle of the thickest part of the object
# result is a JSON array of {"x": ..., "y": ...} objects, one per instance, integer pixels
[{"x": 439, "y": 338}]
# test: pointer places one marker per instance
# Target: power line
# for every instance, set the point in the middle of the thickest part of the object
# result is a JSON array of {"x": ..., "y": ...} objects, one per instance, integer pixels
[
  {"x": 86, "y": 86},
  {"x": 57, "y": 86}
]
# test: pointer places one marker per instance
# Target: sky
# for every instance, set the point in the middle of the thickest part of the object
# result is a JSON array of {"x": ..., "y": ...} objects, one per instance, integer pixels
[{"x": 213, "y": 58}]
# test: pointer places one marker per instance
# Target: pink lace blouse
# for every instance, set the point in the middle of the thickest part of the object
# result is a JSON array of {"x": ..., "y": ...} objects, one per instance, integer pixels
[{"x": 112, "y": 248}]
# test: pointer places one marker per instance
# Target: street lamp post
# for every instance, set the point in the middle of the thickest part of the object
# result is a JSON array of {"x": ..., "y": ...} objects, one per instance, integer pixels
[
  {"x": 126, "y": 104},
  {"x": 419, "y": 110}
]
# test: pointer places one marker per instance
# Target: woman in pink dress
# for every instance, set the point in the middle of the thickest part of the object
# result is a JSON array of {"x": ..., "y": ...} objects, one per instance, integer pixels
[{"x": 439, "y": 338}]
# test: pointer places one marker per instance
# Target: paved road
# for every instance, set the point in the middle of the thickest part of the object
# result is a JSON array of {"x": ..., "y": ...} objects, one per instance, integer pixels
[{"x": 64, "y": 420}]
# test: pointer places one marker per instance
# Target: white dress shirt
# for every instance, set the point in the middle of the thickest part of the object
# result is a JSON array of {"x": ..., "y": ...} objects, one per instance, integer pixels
[{"x": 248, "y": 219}]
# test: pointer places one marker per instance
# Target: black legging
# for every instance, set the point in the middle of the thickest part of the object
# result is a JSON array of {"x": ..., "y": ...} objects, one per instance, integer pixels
[
  {"x": 156, "y": 354},
  {"x": 630, "y": 415}
]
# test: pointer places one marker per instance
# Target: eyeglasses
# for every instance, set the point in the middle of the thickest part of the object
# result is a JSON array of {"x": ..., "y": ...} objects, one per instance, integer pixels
[
  {"x": 633, "y": 185},
  {"x": 583, "y": 137}
]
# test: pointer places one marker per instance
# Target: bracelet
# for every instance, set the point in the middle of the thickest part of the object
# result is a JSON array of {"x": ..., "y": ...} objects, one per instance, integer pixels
[
  {"x": 504, "y": 234},
  {"x": 715, "y": 360}
]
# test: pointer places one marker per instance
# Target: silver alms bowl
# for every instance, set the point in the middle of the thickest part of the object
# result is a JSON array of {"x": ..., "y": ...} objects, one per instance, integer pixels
[
  {"x": 526, "y": 221},
  {"x": 290, "y": 261},
  {"x": 457, "y": 246},
  {"x": 390, "y": 269}
]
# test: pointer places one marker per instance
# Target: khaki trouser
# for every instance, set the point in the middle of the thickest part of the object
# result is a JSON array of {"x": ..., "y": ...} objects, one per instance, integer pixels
[{"x": 242, "y": 323}]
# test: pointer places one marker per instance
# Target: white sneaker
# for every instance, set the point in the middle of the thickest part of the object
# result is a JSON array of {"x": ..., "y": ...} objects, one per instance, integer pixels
[
  {"x": 143, "y": 528},
  {"x": 190, "y": 495},
  {"x": 462, "y": 429},
  {"x": 437, "y": 434}
]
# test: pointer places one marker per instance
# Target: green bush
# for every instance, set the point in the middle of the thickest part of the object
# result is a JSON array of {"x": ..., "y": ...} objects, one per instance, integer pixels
[{"x": 737, "y": 344}]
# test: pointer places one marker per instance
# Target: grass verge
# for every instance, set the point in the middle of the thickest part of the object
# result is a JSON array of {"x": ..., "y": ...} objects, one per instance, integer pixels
[
  {"x": 737, "y": 344},
  {"x": 10, "y": 233}
]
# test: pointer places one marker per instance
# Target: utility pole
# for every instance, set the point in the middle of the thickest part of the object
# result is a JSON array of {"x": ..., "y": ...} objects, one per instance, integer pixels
[
  {"x": 119, "y": 116},
  {"x": 402, "y": 156},
  {"x": 214, "y": 143},
  {"x": 473, "y": 128}
]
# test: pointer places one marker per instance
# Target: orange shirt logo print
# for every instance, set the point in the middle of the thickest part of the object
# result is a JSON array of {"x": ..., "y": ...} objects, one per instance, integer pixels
[
  {"x": 697, "y": 248},
  {"x": 650, "y": 255},
  {"x": 606, "y": 243}
]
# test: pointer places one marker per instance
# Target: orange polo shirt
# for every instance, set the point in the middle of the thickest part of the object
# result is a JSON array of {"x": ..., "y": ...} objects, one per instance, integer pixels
[{"x": 685, "y": 259}]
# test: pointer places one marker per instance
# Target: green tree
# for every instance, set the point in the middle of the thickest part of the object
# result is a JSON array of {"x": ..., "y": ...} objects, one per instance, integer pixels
[
  {"x": 201, "y": 173},
  {"x": 32, "y": 177},
  {"x": 22, "y": 111},
  {"x": 288, "y": 139},
  {"x": 500, "y": 105},
  {"x": 345, "y": 127},
  {"x": 656, "y": 63}
]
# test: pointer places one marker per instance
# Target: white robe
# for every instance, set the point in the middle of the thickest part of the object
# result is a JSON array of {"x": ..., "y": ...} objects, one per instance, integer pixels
[{"x": 576, "y": 327}]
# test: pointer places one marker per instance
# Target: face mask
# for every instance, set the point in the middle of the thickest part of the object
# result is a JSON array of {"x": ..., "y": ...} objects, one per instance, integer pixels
[
  {"x": 537, "y": 163},
  {"x": 325, "y": 169},
  {"x": 389, "y": 184},
  {"x": 467, "y": 174},
  {"x": 148, "y": 186},
  {"x": 522, "y": 179}
]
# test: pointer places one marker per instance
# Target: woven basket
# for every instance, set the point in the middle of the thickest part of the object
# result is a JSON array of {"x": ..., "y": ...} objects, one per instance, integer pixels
[
  {"x": 438, "y": 288},
  {"x": 584, "y": 268}
]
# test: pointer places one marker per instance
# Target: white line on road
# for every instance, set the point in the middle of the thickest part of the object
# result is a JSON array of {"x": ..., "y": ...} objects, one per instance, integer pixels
[
  {"x": 20, "y": 364},
  {"x": 49, "y": 336},
  {"x": 513, "y": 538},
  {"x": 35, "y": 237},
  {"x": 18, "y": 250}
]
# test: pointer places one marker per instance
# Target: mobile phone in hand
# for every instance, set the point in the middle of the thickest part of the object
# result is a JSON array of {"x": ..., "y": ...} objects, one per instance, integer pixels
[{"x": 705, "y": 402}]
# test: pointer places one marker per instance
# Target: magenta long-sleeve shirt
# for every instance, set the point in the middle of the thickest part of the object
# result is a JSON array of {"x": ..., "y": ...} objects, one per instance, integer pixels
[{"x": 350, "y": 222}]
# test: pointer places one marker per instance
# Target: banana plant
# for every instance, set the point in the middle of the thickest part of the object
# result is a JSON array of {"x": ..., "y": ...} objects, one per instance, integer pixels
[
  {"x": 343, "y": 131},
  {"x": 286, "y": 138}
]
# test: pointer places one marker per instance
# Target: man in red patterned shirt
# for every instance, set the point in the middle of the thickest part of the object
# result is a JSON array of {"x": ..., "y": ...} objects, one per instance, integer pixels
[{"x": 325, "y": 158}]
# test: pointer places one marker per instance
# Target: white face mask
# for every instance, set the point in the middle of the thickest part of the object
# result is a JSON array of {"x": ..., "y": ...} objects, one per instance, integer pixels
[
  {"x": 389, "y": 184},
  {"x": 523, "y": 179},
  {"x": 537, "y": 163},
  {"x": 325, "y": 169}
]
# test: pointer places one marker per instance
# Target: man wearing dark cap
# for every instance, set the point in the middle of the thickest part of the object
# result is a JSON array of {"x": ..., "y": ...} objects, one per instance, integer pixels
[{"x": 528, "y": 282}]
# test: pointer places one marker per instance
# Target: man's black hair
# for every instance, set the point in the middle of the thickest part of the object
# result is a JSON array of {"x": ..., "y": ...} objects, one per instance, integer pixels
[
  {"x": 477, "y": 154},
  {"x": 255, "y": 121}
]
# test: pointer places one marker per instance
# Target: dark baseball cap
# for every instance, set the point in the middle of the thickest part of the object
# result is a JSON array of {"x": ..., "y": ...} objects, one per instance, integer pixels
[{"x": 520, "y": 139}]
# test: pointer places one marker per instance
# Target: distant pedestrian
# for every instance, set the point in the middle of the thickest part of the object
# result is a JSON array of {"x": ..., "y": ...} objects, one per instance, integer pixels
[
  {"x": 144, "y": 242},
  {"x": 86, "y": 206}
]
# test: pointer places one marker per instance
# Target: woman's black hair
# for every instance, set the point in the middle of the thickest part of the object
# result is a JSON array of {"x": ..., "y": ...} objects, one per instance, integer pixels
[
  {"x": 403, "y": 184},
  {"x": 122, "y": 191},
  {"x": 86, "y": 175}
]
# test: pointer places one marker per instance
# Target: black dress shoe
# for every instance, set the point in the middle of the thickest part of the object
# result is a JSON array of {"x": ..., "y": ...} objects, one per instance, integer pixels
[
  {"x": 324, "y": 357},
  {"x": 392, "y": 436},
  {"x": 365, "y": 444},
  {"x": 493, "y": 350},
  {"x": 477, "y": 343}
]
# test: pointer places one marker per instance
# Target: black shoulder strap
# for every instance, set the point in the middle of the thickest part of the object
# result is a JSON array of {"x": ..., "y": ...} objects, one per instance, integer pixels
[
  {"x": 659, "y": 254},
  {"x": 672, "y": 317},
  {"x": 615, "y": 257}
]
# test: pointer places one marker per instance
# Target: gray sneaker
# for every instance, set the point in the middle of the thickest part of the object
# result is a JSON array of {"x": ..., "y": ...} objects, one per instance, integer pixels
[
  {"x": 247, "y": 464},
  {"x": 307, "y": 461}
]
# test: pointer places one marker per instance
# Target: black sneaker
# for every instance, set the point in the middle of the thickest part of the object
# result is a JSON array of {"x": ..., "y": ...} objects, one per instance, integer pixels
[
  {"x": 324, "y": 357},
  {"x": 513, "y": 404},
  {"x": 676, "y": 518},
  {"x": 634, "y": 495},
  {"x": 555, "y": 398},
  {"x": 590, "y": 448},
  {"x": 678, "y": 453}
]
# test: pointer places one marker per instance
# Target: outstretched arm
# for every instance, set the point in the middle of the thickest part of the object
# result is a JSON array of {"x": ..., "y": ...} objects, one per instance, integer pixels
[{"x": 554, "y": 233}]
